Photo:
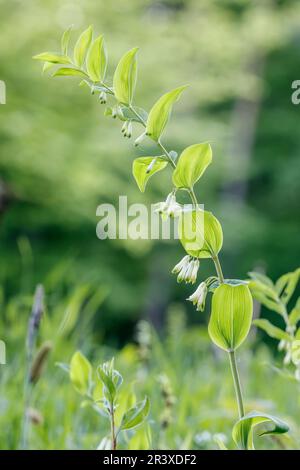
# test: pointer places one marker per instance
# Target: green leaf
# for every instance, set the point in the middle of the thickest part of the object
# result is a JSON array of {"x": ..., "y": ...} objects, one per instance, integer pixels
[
  {"x": 220, "y": 442},
  {"x": 135, "y": 415},
  {"x": 141, "y": 439},
  {"x": 125, "y": 76},
  {"x": 232, "y": 282},
  {"x": 261, "y": 278},
  {"x": 264, "y": 300},
  {"x": 142, "y": 170},
  {"x": 231, "y": 316},
  {"x": 53, "y": 58},
  {"x": 111, "y": 380},
  {"x": 82, "y": 45},
  {"x": 296, "y": 352},
  {"x": 80, "y": 373},
  {"x": 191, "y": 165},
  {"x": 106, "y": 379},
  {"x": 271, "y": 330},
  {"x": 266, "y": 295},
  {"x": 286, "y": 285},
  {"x": 69, "y": 72},
  {"x": 73, "y": 308},
  {"x": 243, "y": 430},
  {"x": 200, "y": 233},
  {"x": 96, "y": 62},
  {"x": 295, "y": 313},
  {"x": 160, "y": 113},
  {"x": 105, "y": 444},
  {"x": 65, "y": 40},
  {"x": 47, "y": 66}
]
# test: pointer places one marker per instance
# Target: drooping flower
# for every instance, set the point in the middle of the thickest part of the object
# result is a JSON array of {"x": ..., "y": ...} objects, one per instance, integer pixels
[
  {"x": 127, "y": 129},
  {"x": 103, "y": 97},
  {"x": 182, "y": 263},
  {"x": 199, "y": 296},
  {"x": 139, "y": 139},
  {"x": 168, "y": 208},
  {"x": 187, "y": 269}
]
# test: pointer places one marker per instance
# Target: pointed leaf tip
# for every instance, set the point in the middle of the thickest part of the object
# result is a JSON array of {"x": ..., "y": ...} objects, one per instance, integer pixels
[{"x": 160, "y": 113}]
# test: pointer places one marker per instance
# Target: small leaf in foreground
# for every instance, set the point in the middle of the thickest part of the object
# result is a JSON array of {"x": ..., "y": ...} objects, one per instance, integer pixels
[
  {"x": 160, "y": 113},
  {"x": 200, "y": 233},
  {"x": 271, "y": 330},
  {"x": 82, "y": 45},
  {"x": 136, "y": 415},
  {"x": 96, "y": 62},
  {"x": 243, "y": 430},
  {"x": 231, "y": 316},
  {"x": 53, "y": 58},
  {"x": 144, "y": 167},
  {"x": 69, "y": 72},
  {"x": 65, "y": 40},
  {"x": 125, "y": 76},
  {"x": 80, "y": 373},
  {"x": 191, "y": 165}
]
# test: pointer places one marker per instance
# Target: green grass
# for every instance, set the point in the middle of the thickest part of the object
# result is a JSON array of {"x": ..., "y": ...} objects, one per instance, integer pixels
[{"x": 202, "y": 404}]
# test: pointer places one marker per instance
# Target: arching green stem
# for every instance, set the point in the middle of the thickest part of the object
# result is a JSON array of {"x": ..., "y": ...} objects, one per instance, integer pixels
[
  {"x": 218, "y": 268},
  {"x": 237, "y": 383},
  {"x": 193, "y": 198}
]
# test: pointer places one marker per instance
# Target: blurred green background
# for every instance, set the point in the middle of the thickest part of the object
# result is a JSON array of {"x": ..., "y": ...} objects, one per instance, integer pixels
[{"x": 60, "y": 157}]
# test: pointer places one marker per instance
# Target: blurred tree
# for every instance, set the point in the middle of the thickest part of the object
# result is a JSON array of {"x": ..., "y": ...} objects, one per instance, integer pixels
[{"x": 61, "y": 158}]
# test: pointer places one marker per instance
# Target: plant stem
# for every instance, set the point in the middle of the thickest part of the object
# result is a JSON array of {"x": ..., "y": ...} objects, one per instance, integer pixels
[
  {"x": 25, "y": 426},
  {"x": 112, "y": 428},
  {"x": 219, "y": 271},
  {"x": 160, "y": 145},
  {"x": 233, "y": 365},
  {"x": 193, "y": 198},
  {"x": 218, "y": 268},
  {"x": 141, "y": 120},
  {"x": 237, "y": 383},
  {"x": 232, "y": 358},
  {"x": 165, "y": 151}
]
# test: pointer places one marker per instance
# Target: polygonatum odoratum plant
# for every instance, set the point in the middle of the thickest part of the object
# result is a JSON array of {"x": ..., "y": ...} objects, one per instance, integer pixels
[{"x": 200, "y": 232}]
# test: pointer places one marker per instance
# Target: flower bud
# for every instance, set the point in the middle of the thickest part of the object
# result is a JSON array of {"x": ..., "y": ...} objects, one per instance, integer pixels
[
  {"x": 187, "y": 269},
  {"x": 282, "y": 345},
  {"x": 199, "y": 296},
  {"x": 150, "y": 167},
  {"x": 103, "y": 97},
  {"x": 114, "y": 112},
  {"x": 181, "y": 264},
  {"x": 194, "y": 272},
  {"x": 169, "y": 208},
  {"x": 287, "y": 358},
  {"x": 124, "y": 128},
  {"x": 129, "y": 130},
  {"x": 139, "y": 139}
]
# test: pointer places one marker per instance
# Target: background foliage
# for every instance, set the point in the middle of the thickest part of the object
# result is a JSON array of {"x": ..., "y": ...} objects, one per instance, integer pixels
[{"x": 60, "y": 158}]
